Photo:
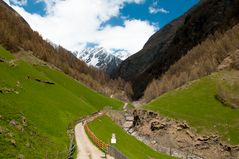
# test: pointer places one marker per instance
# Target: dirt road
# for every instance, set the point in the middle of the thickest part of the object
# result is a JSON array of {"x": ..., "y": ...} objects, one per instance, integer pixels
[{"x": 86, "y": 149}]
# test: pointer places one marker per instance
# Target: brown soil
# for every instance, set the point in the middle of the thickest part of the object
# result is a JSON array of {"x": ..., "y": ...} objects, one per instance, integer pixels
[{"x": 176, "y": 137}]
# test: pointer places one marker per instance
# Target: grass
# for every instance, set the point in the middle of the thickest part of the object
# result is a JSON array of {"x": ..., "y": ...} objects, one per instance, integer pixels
[
  {"x": 48, "y": 109},
  {"x": 6, "y": 55},
  {"x": 196, "y": 103},
  {"x": 103, "y": 127}
]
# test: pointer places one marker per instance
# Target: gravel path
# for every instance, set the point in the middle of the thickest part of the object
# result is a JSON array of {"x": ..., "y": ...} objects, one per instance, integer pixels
[{"x": 86, "y": 149}]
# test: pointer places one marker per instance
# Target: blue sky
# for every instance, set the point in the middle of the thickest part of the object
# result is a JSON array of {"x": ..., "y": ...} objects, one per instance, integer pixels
[
  {"x": 175, "y": 8},
  {"x": 76, "y": 24}
]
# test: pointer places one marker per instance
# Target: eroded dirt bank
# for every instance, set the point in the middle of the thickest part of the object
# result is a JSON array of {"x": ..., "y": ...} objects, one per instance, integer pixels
[{"x": 173, "y": 137}]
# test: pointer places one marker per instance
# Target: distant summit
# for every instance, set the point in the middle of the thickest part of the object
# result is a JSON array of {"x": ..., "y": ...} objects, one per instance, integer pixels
[{"x": 101, "y": 58}]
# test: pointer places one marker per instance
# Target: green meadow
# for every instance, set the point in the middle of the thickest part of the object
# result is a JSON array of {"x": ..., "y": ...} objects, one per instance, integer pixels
[
  {"x": 34, "y": 115},
  {"x": 197, "y": 104}
]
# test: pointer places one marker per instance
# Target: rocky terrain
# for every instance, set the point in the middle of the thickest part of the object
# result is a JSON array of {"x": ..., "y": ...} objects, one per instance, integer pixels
[
  {"x": 174, "y": 137},
  {"x": 173, "y": 41}
]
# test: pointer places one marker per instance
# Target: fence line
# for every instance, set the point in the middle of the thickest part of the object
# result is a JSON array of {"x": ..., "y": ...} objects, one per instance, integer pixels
[
  {"x": 103, "y": 146},
  {"x": 99, "y": 143}
]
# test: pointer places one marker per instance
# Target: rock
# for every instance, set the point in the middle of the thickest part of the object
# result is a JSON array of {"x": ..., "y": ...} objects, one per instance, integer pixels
[
  {"x": 182, "y": 126},
  {"x": 137, "y": 121},
  {"x": 24, "y": 121},
  {"x": 126, "y": 129},
  {"x": 13, "y": 142},
  {"x": 152, "y": 114},
  {"x": 215, "y": 138},
  {"x": 227, "y": 148},
  {"x": 2, "y": 60},
  {"x": 129, "y": 118},
  {"x": 28, "y": 145},
  {"x": 20, "y": 156},
  {"x": 125, "y": 106},
  {"x": 204, "y": 138},
  {"x": 12, "y": 64},
  {"x": 202, "y": 146},
  {"x": 134, "y": 133},
  {"x": 131, "y": 130},
  {"x": 191, "y": 156},
  {"x": 154, "y": 142},
  {"x": 190, "y": 134},
  {"x": 10, "y": 134},
  {"x": 128, "y": 124},
  {"x": 13, "y": 123},
  {"x": 6, "y": 90},
  {"x": 156, "y": 125},
  {"x": 18, "y": 84}
]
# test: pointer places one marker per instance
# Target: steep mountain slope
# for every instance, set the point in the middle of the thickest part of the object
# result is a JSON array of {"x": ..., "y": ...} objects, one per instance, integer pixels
[
  {"x": 23, "y": 37},
  {"x": 196, "y": 103},
  {"x": 218, "y": 52},
  {"x": 100, "y": 58},
  {"x": 173, "y": 41},
  {"x": 37, "y": 104}
]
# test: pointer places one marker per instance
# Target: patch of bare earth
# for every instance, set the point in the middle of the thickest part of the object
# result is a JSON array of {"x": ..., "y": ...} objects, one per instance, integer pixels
[{"x": 173, "y": 137}]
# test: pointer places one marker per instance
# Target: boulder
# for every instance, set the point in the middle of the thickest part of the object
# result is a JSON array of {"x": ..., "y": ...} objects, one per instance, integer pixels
[
  {"x": 13, "y": 123},
  {"x": 128, "y": 124},
  {"x": 154, "y": 142},
  {"x": 13, "y": 142},
  {"x": 129, "y": 118},
  {"x": 131, "y": 130},
  {"x": 157, "y": 125},
  {"x": 182, "y": 126}
]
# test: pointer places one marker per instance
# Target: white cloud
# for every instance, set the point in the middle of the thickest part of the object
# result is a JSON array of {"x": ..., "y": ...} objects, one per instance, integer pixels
[
  {"x": 132, "y": 36},
  {"x": 74, "y": 23},
  {"x": 153, "y": 9},
  {"x": 162, "y": 10}
]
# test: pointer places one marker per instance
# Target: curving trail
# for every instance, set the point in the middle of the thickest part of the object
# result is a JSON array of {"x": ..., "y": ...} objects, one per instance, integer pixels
[{"x": 85, "y": 148}]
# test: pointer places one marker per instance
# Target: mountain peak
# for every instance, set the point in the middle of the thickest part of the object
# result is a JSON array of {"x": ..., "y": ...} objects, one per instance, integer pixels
[{"x": 100, "y": 58}]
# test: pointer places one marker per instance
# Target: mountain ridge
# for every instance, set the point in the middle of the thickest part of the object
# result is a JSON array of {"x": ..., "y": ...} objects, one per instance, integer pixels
[
  {"x": 99, "y": 58},
  {"x": 173, "y": 41}
]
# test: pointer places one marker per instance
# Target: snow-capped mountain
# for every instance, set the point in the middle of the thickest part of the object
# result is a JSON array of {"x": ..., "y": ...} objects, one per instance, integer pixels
[
  {"x": 121, "y": 54},
  {"x": 100, "y": 58}
]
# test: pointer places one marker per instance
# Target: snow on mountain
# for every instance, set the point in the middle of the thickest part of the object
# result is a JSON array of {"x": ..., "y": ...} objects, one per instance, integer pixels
[
  {"x": 121, "y": 54},
  {"x": 100, "y": 58}
]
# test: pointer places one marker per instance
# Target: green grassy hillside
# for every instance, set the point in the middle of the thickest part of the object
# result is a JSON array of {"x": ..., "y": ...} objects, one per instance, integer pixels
[
  {"x": 196, "y": 103},
  {"x": 36, "y": 106},
  {"x": 103, "y": 127}
]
